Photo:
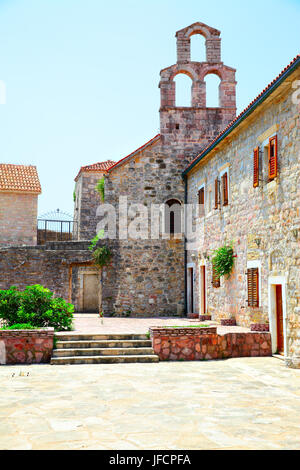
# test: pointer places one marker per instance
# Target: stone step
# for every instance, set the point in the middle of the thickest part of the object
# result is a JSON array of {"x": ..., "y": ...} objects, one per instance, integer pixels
[
  {"x": 135, "y": 343},
  {"x": 103, "y": 359},
  {"x": 103, "y": 352},
  {"x": 99, "y": 337}
]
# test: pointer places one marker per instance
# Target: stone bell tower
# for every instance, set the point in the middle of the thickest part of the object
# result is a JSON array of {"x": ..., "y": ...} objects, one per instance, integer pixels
[{"x": 197, "y": 125}]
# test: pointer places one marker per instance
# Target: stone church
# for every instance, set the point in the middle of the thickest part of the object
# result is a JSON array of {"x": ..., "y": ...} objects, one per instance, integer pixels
[
  {"x": 243, "y": 172},
  {"x": 147, "y": 276}
]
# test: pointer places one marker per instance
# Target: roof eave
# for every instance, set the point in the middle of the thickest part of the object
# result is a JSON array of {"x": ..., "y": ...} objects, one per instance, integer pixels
[{"x": 249, "y": 111}]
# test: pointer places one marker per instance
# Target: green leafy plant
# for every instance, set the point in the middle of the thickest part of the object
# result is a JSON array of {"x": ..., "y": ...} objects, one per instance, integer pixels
[
  {"x": 100, "y": 188},
  {"x": 19, "y": 326},
  {"x": 36, "y": 306},
  {"x": 223, "y": 261},
  {"x": 74, "y": 195},
  {"x": 95, "y": 240},
  {"x": 101, "y": 256}
]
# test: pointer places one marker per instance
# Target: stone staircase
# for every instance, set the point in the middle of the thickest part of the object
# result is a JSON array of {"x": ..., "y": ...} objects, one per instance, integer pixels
[{"x": 102, "y": 349}]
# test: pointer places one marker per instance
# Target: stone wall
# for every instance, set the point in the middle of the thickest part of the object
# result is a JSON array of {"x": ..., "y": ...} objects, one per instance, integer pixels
[
  {"x": 26, "y": 346},
  {"x": 193, "y": 344},
  {"x": 261, "y": 222},
  {"x": 18, "y": 218},
  {"x": 53, "y": 265},
  {"x": 85, "y": 207}
]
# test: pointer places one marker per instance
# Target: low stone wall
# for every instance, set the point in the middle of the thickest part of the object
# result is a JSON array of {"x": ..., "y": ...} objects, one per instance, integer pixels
[
  {"x": 198, "y": 344},
  {"x": 26, "y": 346}
]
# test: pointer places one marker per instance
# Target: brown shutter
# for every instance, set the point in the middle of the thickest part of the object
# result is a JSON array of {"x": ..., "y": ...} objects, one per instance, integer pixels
[
  {"x": 256, "y": 168},
  {"x": 225, "y": 189},
  {"x": 272, "y": 157},
  {"x": 253, "y": 287},
  {"x": 216, "y": 193},
  {"x": 215, "y": 278}
]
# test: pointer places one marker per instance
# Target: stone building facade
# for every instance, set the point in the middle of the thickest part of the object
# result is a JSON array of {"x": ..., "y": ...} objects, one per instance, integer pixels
[
  {"x": 59, "y": 266},
  {"x": 256, "y": 207},
  {"x": 147, "y": 276},
  {"x": 19, "y": 191},
  {"x": 87, "y": 199}
]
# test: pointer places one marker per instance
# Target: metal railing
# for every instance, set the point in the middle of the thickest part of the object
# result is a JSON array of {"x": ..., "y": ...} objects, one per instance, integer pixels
[{"x": 54, "y": 230}]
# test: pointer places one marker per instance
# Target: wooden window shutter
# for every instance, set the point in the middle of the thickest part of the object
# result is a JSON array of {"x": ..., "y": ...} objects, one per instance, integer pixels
[
  {"x": 273, "y": 157},
  {"x": 216, "y": 282},
  {"x": 253, "y": 287},
  {"x": 216, "y": 193},
  {"x": 225, "y": 189},
  {"x": 256, "y": 168}
]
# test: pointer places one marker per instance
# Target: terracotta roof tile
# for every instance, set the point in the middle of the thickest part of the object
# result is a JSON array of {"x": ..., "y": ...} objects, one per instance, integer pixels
[
  {"x": 244, "y": 112},
  {"x": 100, "y": 166},
  {"x": 15, "y": 178}
]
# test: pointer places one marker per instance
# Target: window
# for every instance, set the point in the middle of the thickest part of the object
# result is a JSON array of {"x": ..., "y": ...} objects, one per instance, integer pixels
[
  {"x": 216, "y": 282},
  {"x": 256, "y": 168},
  {"x": 173, "y": 217},
  {"x": 253, "y": 287},
  {"x": 201, "y": 201},
  {"x": 225, "y": 188},
  {"x": 272, "y": 157}
]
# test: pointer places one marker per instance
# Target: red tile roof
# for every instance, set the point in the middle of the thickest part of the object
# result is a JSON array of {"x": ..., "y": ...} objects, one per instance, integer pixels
[
  {"x": 97, "y": 167},
  {"x": 19, "y": 178},
  {"x": 140, "y": 149},
  {"x": 242, "y": 115}
]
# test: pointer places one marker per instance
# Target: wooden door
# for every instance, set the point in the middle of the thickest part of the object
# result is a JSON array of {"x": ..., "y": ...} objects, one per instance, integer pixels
[
  {"x": 90, "y": 293},
  {"x": 279, "y": 319}
]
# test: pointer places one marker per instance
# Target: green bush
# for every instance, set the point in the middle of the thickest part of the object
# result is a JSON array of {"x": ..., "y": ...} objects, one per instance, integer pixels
[
  {"x": 35, "y": 306},
  {"x": 100, "y": 188},
  {"x": 223, "y": 261},
  {"x": 19, "y": 326}
]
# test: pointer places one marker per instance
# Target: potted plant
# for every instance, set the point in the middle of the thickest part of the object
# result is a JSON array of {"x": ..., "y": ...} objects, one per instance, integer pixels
[{"x": 223, "y": 262}]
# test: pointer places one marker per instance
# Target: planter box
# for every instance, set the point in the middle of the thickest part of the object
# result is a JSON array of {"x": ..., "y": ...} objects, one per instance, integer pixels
[
  {"x": 193, "y": 316},
  {"x": 260, "y": 327},
  {"x": 204, "y": 344},
  {"x": 228, "y": 322},
  {"x": 26, "y": 346},
  {"x": 205, "y": 317}
]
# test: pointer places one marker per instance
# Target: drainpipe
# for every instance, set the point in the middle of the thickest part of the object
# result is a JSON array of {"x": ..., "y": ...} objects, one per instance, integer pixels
[{"x": 185, "y": 252}]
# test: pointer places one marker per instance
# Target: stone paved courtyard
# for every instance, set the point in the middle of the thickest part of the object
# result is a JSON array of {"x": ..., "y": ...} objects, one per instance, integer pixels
[
  {"x": 251, "y": 403},
  {"x": 91, "y": 323}
]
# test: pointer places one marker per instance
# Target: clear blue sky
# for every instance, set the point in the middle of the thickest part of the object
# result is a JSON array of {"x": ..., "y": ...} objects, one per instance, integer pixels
[{"x": 82, "y": 75}]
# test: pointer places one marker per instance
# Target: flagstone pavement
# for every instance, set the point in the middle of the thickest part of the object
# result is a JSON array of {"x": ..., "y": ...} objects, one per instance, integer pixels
[{"x": 251, "y": 403}]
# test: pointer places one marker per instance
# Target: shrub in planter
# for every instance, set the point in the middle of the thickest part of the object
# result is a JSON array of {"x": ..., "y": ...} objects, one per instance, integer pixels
[
  {"x": 19, "y": 326},
  {"x": 35, "y": 306}
]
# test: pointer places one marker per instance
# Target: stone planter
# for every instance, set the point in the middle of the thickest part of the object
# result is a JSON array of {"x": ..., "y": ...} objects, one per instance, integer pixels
[
  {"x": 228, "y": 322},
  {"x": 205, "y": 317},
  {"x": 26, "y": 346},
  {"x": 193, "y": 316},
  {"x": 261, "y": 327},
  {"x": 204, "y": 344}
]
